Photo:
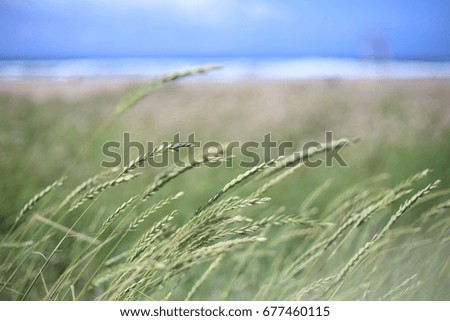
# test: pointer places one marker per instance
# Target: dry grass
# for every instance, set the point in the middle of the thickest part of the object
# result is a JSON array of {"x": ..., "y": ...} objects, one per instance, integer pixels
[{"x": 266, "y": 232}]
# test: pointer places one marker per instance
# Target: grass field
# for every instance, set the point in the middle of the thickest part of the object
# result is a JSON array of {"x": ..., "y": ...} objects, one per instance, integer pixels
[{"x": 377, "y": 229}]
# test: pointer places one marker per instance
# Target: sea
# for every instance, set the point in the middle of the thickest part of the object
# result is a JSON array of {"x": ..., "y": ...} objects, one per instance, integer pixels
[{"x": 233, "y": 68}]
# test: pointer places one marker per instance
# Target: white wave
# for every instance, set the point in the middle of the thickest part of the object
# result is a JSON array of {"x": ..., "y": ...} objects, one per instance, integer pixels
[{"x": 304, "y": 68}]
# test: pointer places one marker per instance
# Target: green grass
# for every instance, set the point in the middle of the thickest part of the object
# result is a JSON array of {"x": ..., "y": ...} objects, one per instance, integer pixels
[{"x": 378, "y": 229}]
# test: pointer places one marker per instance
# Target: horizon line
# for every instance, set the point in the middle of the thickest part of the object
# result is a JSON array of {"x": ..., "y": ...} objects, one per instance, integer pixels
[{"x": 434, "y": 58}]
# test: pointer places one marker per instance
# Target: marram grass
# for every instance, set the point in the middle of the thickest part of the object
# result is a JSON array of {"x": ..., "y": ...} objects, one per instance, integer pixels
[{"x": 366, "y": 242}]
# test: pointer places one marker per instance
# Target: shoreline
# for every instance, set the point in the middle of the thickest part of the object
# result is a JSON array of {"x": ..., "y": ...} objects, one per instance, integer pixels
[{"x": 42, "y": 88}]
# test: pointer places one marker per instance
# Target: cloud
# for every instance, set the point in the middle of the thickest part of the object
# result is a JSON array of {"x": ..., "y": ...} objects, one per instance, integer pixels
[
  {"x": 209, "y": 13},
  {"x": 212, "y": 13}
]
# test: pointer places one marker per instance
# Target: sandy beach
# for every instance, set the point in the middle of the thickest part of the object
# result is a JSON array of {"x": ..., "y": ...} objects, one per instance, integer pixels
[{"x": 249, "y": 108}]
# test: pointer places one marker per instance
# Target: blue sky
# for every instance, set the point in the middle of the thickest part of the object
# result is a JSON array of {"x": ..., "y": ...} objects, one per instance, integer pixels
[{"x": 404, "y": 29}]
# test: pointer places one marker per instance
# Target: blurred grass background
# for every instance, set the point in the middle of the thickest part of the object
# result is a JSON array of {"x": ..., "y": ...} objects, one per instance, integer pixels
[{"x": 404, "y": 126}]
